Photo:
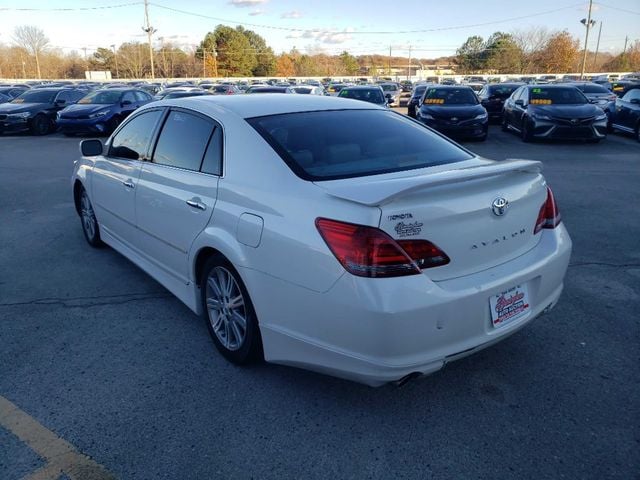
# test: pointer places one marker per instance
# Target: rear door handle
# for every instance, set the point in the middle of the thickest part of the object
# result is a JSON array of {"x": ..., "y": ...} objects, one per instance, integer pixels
[
  {"x": 195, "y": 203},
  {"x": 129, "y": 184}
]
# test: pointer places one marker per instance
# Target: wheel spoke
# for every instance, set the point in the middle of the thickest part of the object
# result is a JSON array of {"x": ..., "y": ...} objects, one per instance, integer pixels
[
  {"x": 240, "y": 320},
  {"x": 236, "y": 333},
  {"x": 214, "y": 286},
  {"x": 216, "y": 323},
  {"x": 236, "y": 302},
  {"x": 214, "y": 304}
]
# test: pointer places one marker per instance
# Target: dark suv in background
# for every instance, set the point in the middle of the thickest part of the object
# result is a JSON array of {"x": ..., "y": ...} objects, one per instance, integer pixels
[
  {"x": 35, "y": 110},
  {"x": 493, "y": 96}
]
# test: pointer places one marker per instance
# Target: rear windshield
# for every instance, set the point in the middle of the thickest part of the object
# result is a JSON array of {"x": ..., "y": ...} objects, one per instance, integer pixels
[
  {"x": 267, "y": 90},
  {"x": 593, "y": 89},
  {"x": 220, "y": 89},
  {"x": 389, "y": 87},
  {"x": 36, "y": 96},
  {"x": 502, "y": 91},
  {"x": 556, "y": 96},
  {"x": 450, "y": 96},
  {"x": 373, "y": 95},
  {"x": 354, "y": 143}
]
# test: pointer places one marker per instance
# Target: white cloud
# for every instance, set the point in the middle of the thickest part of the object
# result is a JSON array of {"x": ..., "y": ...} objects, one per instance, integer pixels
[
  {"x": 330, "y": 36},
  {"x": 291, "y": 14},
  {"x": 257, "y": 11},
  {"x": 247, "y": 3}
]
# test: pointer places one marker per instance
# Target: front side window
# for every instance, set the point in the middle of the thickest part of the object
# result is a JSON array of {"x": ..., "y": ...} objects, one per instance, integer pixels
[
  {"x": 101, "y": 97},
  {"x": 132, "y": 141},
  {"x": 631, "y": 95},
  {"x": 354, "y": 143},
  {"x": 183, "y": 141},
  {"x": 129, "y": 97}
]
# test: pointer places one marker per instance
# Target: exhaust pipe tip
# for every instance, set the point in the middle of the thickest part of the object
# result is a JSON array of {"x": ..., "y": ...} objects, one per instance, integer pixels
[{"x": 407, "y": 378}]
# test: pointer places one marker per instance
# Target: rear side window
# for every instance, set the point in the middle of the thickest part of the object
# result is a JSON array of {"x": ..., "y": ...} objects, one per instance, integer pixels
[
  {"x": 183, "y": 140},
  {"x": 354, "y": 143},
  {"x": 132, "y": 141}
]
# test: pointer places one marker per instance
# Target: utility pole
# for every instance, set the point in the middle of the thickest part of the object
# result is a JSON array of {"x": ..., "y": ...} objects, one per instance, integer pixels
[
  {"x": 587, "y": 24},
  {"x": 623, "y": 60},
  {"x": 150, "y": 31},
  {"x": 115, "y": 58},
  {"x": 409, "y": 72},
  {"x": 595, "y": 58},
  {"x": 215, "y": 62},
  {"x": 389, "y": 62}
]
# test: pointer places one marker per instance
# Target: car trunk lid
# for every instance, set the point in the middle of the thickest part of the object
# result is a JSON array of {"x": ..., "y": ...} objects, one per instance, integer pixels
[{"x": 457, "y": 209}]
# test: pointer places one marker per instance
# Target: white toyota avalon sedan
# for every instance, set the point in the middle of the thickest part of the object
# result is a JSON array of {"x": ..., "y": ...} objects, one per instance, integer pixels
[{"x": 325, "y": 233}]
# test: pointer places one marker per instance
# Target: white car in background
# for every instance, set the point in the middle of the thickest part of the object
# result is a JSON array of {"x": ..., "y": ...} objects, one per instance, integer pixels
[{"x": 374, "y": 249}]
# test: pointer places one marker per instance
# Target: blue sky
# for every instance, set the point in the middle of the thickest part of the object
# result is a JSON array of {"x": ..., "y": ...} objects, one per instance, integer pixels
[{"x": 323, "y": 25}]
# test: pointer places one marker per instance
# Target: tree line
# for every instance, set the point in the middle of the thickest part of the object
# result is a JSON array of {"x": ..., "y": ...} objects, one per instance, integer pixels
[
  {"x": 239, "y": 52},
  {"x": 538, "y": 50}
]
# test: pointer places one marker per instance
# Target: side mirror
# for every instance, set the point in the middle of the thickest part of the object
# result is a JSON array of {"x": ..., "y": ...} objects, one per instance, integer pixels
[
  {"x": 91, "y": 148},
  {"x": 520, "y": 103},
  {"x": 125, "y": 103}
]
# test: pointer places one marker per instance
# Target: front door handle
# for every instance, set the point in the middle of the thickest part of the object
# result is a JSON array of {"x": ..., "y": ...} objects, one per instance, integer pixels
[
  {"x": 128, "y": 184},
  {"x": 195, "y": 203}
]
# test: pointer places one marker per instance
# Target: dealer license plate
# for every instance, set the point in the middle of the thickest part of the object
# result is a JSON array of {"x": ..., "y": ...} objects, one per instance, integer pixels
[{"x": 509, "y": 305}]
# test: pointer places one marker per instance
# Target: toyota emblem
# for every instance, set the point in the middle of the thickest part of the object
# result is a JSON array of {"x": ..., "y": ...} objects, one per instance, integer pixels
[
  {"x": 499, "y": 206},
  {"x": 454, "y": 119}
]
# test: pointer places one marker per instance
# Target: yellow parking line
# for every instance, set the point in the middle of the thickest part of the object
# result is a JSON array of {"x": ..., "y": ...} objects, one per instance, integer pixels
[{"x": 60, "y": 455}]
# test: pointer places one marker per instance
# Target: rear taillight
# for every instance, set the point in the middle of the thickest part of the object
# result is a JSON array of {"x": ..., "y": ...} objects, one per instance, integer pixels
[
  {"x": 369, "y": 252},
  {"x": 549, "y": 216}
]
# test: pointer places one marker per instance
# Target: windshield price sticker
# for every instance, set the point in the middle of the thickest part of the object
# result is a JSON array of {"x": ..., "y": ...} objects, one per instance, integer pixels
[
  {"x": 434, "y": 100},
  {"x": 540, "y": 101},
  {"x": 509, "y": 305}
]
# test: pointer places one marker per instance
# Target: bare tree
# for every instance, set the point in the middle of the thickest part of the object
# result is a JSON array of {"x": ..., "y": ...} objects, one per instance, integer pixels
[
  {"x": 33, "y": 40},
  {"x": 530, "y": 42}
]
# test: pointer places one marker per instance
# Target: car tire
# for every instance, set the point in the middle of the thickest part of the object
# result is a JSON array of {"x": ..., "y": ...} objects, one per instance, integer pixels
[
  {"x": 90, "y": 226},
  {"x": 229, "y": 313},
  {"x": 40, "y": 125},
  {"x": 526, "y": 133}
]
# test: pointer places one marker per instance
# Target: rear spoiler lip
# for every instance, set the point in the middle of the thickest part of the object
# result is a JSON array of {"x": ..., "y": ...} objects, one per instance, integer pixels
[{"x": 380, "y": 192}]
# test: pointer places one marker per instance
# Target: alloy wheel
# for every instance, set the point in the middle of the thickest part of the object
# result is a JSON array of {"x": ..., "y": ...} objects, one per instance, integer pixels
[
  {"x": 89, "y": 222},
  {"x": 226, "y": 308}
]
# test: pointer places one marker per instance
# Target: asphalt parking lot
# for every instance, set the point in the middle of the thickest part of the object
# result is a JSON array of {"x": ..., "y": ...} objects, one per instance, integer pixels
[{"x": 103, "y": 374}]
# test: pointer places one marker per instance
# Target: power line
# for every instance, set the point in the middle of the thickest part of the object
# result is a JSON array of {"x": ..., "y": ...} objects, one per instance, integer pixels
[
  {"x": 617, "y": 8},
  {"x": 76, "y": 9},
  {"x": 361, "y": 32}
]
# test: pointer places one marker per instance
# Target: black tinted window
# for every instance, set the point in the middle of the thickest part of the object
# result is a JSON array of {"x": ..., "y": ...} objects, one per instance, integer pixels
[
  {"x": 502, "y": 91},
  {"x": 372, "y": 95},
  {"x": 212, "y": 162},
  {"x": 593, "y": 89},
  {"x": 183, "y": 140},
  {"x": 133, "y": 139},
  {"x": 558, "y": 96},
  {"x": 36, "y": 96},
  {"x": 142, "y": 96},
  {"x": 450, "y": 96},
  {"x": 353, "y": 143}
]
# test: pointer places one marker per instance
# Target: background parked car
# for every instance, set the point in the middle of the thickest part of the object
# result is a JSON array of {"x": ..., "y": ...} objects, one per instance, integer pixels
[
  {"x": 309, "y": 90},
  {"x": 13, "y": 91},
  {"x": 183, "y": 94},
  {"x": 414, "y": 100},
  {"x": 392, "y": 92},
  {"x": 455, "y": 111},
  {"x": 626, "y": 114},
  {"x": 493, "y": 96},
  {"x": 36, "y": 109},
  {"x": 101, "y": 111},
  {"x": 269, "y": 89},
  {"x": 553, "y": 112},
  {"x": 224, "y": 90},
  {"x": 598, "y": 95},
  {"x": 372, "y": 94}
]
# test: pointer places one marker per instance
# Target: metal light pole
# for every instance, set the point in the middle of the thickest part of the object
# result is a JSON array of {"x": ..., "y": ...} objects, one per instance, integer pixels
[
  {"x": 588, "y": 23},
  {"x": 597, "y": 46},
  {"x": 150, "y": 31},
  {"x": 115, "y": 58}
]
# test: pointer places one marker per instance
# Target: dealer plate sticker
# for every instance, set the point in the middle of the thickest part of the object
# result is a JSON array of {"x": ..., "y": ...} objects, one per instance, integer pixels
[{"x": 509, "y": 305}]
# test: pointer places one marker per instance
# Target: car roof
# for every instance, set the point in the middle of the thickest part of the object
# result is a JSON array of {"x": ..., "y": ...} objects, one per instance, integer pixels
[
  {"x": 553, "y": 86},
  {"x": 248, "y": 106},
  {"x": 362, "y": 87}
]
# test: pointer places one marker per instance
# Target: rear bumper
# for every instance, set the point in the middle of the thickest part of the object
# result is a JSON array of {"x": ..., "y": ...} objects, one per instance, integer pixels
[{"x": 380, "y": 330}]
